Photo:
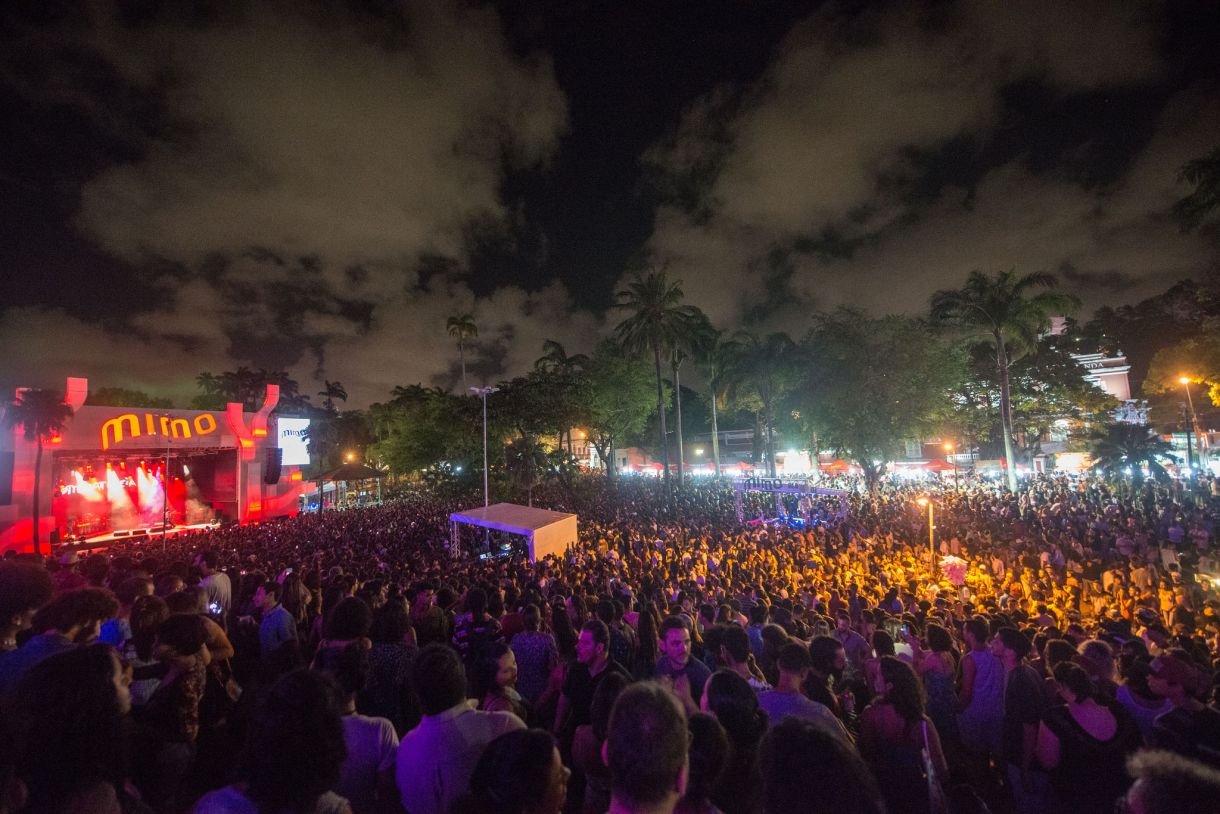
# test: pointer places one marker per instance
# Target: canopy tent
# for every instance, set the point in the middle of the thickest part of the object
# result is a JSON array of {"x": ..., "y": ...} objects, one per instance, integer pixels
[
  {"x": 353, "y": 471},
  {"x": 545, "y": 532}
]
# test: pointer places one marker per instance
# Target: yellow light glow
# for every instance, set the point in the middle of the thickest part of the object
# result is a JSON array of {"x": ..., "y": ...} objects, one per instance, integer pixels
[
  {"x": 1184, "y": 380},
  {"x": 923, "y": 501},
  {"x": 948, "y": 446}
]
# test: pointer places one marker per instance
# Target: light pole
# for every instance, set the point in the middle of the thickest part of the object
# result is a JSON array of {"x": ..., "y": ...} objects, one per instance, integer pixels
[
  {"x": 949, "y": 449},
  {"x": 1194, "y": 421},
  {"x": 165, "y": 426},
  {"x": 925, "y": 501},
  {"x": 484, "y": 391}
]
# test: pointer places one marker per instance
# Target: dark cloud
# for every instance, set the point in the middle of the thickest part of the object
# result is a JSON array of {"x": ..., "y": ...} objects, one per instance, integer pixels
[
  {"x": 838, "y": 159},
  {"x": 320, "y": 185},
  {"x": 312, "y": 164}
]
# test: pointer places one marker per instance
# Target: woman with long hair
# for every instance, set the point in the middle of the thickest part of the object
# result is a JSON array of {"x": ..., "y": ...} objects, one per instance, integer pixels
[
  {"x": 649, "y": 644},
  {"x": 565, "y": 633},
  {"x": 494, "y": 681},
  {"x": 729, "y": 697},
  {"x": 894, "y": 732},
  {"x": 937, "y": 666},
  {"x": 1084, "y": 742},
  {"x": 147, "y": 614}
]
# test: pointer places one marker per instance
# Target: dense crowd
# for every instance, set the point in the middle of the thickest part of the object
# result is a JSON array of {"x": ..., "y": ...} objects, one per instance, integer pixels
[{"x": 1057, "y": 652}]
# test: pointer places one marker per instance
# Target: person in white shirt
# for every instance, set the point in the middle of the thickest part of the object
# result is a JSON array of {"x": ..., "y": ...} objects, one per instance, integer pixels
[
  {"x": 216, "y": 583},
  {"x": 366, "y": 778},
  {"x": 787, "y": 700},
  {"x": 436, "y": 759}
]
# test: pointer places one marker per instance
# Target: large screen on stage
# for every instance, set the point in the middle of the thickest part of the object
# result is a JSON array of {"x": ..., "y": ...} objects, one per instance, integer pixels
[{"x": 294, "y": 440}]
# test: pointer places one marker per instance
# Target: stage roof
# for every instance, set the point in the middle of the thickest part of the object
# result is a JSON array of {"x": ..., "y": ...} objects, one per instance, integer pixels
[{"x": 510, "y": 517}]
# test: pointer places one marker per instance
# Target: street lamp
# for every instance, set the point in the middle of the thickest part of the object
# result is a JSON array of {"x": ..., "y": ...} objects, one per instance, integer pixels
[
  {"x": 484, "y": 392},
  {"x": 924, "y": 501},
  {"x": 166, "y": 424},
  {"x": 949, "y": 449},
  {"x": 1192, "y": 422}
]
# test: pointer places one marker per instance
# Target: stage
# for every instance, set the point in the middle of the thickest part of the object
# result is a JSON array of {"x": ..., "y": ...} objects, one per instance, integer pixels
[{"x": 122, "y": 473}]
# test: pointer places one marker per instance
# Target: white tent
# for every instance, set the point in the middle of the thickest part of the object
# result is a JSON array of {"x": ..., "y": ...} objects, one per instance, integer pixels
[{"x": 545, "y": 532}]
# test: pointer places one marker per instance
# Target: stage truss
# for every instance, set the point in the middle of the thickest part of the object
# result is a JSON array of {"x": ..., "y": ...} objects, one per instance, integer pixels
[{"x": 780, "y": 487}]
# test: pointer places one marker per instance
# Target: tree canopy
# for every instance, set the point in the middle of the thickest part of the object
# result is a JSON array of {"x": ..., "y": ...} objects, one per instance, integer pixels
[{"x": 873, "y": 382}]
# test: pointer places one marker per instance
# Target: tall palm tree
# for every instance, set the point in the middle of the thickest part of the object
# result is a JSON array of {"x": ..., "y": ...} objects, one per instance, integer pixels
[
  {"x": 527, "y": 463},
  {"x": 719, "y": 355},
  {"x": 657, "y": 317},
  {"x": 40, "y": 414},
  {"x": 334, "y": 390},
  {"x": 462, "y": 327},
  {"x": 1120, "y": 448},
  {"x": 1006, "y": 312}
]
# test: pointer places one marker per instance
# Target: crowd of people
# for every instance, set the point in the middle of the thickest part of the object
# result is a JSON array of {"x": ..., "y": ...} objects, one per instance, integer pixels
[{"x": 1056, "y": 652}]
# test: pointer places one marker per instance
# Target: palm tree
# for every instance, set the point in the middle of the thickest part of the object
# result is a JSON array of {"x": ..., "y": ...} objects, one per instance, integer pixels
[
  {"x": 657, "y": 318},
  {"x": 334, "y": 390},
  {"x": 1004, "y": 311},
  {"x": 462, "y": 327},
  {"x": 555, "y": 360},
  {"x": 1126, "y": 449},
  {"x": 527, "y": 463},
  {"x": 40, "y": 414},
  {"x": 1204, "y": 175},
  {"x": 719, "y": 355}
]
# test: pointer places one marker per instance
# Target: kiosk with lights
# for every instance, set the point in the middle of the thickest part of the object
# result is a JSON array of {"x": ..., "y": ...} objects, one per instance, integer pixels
[{"x": 115, "y": 473}]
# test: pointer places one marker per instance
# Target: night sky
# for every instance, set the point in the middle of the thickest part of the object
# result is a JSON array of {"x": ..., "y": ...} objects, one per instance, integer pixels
[{"x": 318, "y": 185}]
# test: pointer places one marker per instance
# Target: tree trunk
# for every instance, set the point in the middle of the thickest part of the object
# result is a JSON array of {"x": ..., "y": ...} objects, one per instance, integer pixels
[
  {"x": 872, "y": 474},
  {"x": 768, "y": 438},
  {"x": 605, "y": 451},
  {"x": 37, "y": 498},
  {"x": 1010, "y": 456},
  {"x": 678, "y": 412},
  {"x": 757, "y": 448},
  {"x": 715, "y": 436},
  {"x": 462, "y": 357},
  {"x": 656, "y": 356}
]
